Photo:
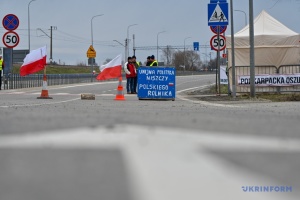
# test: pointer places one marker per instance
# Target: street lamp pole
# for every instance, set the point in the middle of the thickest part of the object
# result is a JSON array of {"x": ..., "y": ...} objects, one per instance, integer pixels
[
  {"x": 184, "y": 51},
  {"x": 92, "y": 28},
  {"x": 92, "y": 61},
  {"x": 127, "y": 41},
  {"x": 206, "y": 50},
  {"x": 123, "y": 46},
  {"x": 29, "y": 25},
  {"x": 245, "y": 16},
  {"x": 205, "y": 58},
  {"x": 157, "y": 44}
]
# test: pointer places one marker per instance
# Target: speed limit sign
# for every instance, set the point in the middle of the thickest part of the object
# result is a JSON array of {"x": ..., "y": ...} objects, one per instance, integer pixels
[
  {"x": 10, "y": 39},
  {"x": 215, "y": 43}
]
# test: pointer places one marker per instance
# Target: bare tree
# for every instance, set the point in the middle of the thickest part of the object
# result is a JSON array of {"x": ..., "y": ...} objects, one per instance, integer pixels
[
  {"x": 177, "y": 60},
  {"x": 168, "y": 54},
  {"x": 188, "y": 58},
  {"x": 192, "y": 60}
]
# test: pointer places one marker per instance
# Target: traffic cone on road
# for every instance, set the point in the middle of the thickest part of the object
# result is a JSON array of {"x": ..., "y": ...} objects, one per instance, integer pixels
[
  {"x": 120, "y": 93},
  {"x": 44, "y": 93}
]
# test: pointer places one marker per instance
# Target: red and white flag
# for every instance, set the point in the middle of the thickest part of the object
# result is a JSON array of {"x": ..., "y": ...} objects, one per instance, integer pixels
[
  {"x": 34, "y": 61},
  {"x": 111, "y": 69}
]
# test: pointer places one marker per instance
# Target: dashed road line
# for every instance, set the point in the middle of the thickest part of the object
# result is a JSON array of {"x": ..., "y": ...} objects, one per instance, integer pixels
[{"x": 39, "y": 104}]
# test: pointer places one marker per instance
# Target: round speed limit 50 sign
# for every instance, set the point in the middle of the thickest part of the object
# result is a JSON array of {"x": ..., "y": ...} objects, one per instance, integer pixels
[
  {"x": 10, "y": 39},
  {"x": 215, "y": 43}
]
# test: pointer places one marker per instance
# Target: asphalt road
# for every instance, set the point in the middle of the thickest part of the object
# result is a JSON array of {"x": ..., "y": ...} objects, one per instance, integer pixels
[{"x": 68, "y": 148}]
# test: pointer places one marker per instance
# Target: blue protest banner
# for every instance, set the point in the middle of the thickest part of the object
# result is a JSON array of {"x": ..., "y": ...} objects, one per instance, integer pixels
[{"x": 156, "y": 83}]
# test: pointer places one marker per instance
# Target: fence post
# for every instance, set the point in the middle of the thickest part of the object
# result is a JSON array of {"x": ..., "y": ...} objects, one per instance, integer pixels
[{"x": 278, "y": 72}]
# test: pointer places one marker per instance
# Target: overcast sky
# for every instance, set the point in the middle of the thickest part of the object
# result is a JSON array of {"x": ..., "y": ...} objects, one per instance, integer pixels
[{"x": 180, "y": 19}]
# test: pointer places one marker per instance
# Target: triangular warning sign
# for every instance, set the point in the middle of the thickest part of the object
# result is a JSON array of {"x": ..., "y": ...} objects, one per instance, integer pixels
[{"x": 218, "y": 15}]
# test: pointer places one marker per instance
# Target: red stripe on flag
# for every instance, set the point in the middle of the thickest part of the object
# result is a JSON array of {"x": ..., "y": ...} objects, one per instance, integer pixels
[{"x": 110, "y": 72}]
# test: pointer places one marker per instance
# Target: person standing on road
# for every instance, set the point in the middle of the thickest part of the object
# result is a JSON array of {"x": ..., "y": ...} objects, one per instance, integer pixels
[
  {"x": 130, "y": 75},
  {"x": 148, "y": 63},
  {"x": 1, "y": 68},
  {"x": 153, "y": 61},
  {"x": 136, "y": 65}
]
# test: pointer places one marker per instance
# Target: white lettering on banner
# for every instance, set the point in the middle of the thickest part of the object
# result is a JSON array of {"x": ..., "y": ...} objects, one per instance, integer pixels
[
  {"x": 157, "y": 72},
  {"x": 153, "y": 87},
  {"x": 271, "y": 80},
  {"x": 165, "y": 72},
  {"x": 157, "y": 78},
  {"x": 160, "y": 93},
  {"x": 147, "y": 72}
]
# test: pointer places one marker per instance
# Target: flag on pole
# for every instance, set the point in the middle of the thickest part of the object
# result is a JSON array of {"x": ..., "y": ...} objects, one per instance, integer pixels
[
  {"x": 34, "y": 61},
  {"x": 111, "y": 69}
]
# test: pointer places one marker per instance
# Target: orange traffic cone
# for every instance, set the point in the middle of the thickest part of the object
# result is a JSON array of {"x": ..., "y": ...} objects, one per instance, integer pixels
[
  {"x": 44, "y": 93},
  {"x": 120, "y": 94}
]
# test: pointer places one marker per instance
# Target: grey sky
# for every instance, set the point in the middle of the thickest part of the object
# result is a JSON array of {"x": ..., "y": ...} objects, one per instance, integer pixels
[{"x": 180, "y": 19}]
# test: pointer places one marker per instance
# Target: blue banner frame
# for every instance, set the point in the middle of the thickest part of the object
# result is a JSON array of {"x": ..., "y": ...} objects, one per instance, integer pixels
[{"x": 156, "y": 83}]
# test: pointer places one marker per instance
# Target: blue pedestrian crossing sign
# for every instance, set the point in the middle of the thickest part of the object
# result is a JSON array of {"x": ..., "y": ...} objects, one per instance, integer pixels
[
  {"x": 196, "y": 46},
  {"x": 218, "y": 14},
  {"x": 216, "y": 1}
]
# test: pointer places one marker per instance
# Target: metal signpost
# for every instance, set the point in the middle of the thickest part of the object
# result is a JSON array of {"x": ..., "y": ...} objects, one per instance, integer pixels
[
  {"x": 10, "y": 39},
  {"x": 91, "y": 54},
  {"x": 218, "y": 19}
]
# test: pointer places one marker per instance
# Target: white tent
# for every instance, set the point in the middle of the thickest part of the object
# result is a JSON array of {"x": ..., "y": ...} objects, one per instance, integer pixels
[{"x": 275, "y": 44}]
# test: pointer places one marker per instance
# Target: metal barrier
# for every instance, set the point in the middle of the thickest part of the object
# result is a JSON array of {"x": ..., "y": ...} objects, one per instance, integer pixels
[
  {"x": 245, "y": 70},
  {"x": 15, "y": 81},
  {"x": 289, "y": 69}
]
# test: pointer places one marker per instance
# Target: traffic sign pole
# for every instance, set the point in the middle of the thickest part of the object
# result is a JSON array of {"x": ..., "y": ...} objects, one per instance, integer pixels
[
  {"x": 219, "y": 61},
  {"x": 232, "y": 53},
  {"x": 252, "y": 53},
  {"x": 218, "y": 16}
]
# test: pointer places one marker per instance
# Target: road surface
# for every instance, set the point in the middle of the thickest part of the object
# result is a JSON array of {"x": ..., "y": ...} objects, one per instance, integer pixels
[{"x": 68, "y": 148}]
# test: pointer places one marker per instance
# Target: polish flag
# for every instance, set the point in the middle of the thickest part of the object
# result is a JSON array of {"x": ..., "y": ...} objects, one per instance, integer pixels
[
  {"x": 111, "y": 69},
  {"x": 34, "y": 61}
]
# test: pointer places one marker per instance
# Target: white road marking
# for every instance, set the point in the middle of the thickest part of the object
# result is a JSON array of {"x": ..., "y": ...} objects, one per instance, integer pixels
[
  {"x": 82, "y": 85},
  {"x": 206, "y": 103},
  {"x": 38, "y": 104},
  {"x": 56, "y": 87},
  {"x": 104, "y": 95}
]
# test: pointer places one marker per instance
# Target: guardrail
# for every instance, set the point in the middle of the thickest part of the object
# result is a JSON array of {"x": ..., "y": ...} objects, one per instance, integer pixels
[{"x": 15, "y": 81}]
